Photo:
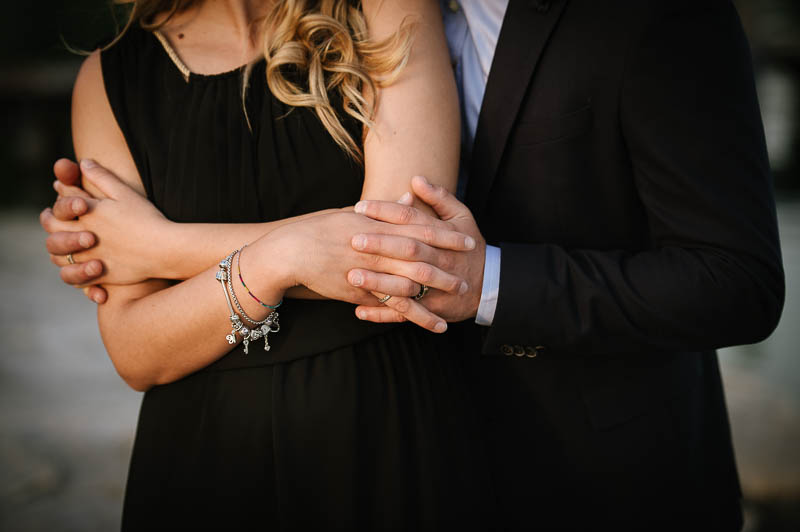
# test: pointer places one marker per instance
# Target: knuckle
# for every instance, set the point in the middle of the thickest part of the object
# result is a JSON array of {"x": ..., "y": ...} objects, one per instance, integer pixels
[
  {"x": 406, "y": 215},
  {"x": 51, "y": 245},
  {"x": 453, "y": 284},
  {"x": 45, "y": 220},
  {"x": 393, "y": 316},
  {"x": 424, "y": 273},
  {"x": 411, "y": 249},
  {"x": 374, "y": 261},
  {"x": 402, "y": 305},
  {"x": 77, "y": 205},
  {"x": 428, "y": 234}
]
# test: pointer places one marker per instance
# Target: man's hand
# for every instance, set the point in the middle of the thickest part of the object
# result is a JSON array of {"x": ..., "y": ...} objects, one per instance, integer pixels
[
  {"x": 70, "y": 204},
  {"x": 467, "y": 265}
]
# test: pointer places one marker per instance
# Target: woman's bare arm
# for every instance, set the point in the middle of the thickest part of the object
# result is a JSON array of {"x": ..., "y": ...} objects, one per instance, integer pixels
[
  {"x": 417, "y": 125},
  {"x": 156, "y": 333}
]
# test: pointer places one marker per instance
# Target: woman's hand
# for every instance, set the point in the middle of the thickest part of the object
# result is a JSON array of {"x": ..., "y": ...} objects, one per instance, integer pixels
[{"x": 128, "y": 229}]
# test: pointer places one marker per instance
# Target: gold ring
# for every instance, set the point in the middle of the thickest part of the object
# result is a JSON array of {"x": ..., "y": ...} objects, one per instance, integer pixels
[
  {"x": 422, "y": 291},
  {"x": 384, "y": 299},
  {"x": 70, "y": 259}
]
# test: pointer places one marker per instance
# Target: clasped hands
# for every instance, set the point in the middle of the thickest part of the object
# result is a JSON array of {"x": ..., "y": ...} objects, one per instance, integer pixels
[{"x": 383, "y": 248}]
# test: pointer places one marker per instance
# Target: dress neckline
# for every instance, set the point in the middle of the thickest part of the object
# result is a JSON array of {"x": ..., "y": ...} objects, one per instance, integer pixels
[{"x": 184, "y": 70}]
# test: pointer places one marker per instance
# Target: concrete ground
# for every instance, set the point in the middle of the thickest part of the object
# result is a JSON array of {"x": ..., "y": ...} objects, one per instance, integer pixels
[{"x": 67, "y": 420}]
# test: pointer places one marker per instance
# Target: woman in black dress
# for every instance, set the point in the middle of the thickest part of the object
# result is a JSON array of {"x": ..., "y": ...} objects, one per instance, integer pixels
[{"x": 342, "y": 424}]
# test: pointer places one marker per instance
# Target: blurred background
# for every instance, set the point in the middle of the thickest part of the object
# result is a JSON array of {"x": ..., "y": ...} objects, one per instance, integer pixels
[{"x": 67, "y": 420}]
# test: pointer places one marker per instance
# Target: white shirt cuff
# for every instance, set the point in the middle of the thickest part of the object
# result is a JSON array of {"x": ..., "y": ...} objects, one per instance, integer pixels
[{"x": 491, "y": 287}]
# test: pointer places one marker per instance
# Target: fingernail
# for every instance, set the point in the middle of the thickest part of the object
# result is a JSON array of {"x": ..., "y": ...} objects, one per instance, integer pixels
[
  {"x": 88, "y": 163},
  {"x": 85, "y": 241},
  {"x": 440, "y": 327},
  {"x": 424, "y": 180},
  {"x": 92, "y": 269},
  {"x": 356, "y": 279},
  {"x": 469, "y": 243},
  {"x": 76, "y": 206},
  {"x": 360, "y": 207},
  {"x": 360, "y": 314},
  {"x": 463, "y": 288},
  {"x": 96, "y": 299},
  {"x": 360, "y": 241},
  {"x": 405, "y": 199}
]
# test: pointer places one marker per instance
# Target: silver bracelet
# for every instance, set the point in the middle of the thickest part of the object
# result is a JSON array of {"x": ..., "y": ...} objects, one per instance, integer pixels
[
  {"x": 232, "y": 292},
  {"x": 260, "y": 328}
]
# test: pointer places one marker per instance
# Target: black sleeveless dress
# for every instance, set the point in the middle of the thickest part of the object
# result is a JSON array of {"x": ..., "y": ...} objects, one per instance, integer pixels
[{"x": 343, "y": 424}]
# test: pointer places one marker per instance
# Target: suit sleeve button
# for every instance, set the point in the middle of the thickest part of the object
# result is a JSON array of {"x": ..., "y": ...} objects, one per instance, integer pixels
[
  {"x": 519, "y": 351},
  {"x": 533, "y": 352},
  {"x": 507, "y": 350}
]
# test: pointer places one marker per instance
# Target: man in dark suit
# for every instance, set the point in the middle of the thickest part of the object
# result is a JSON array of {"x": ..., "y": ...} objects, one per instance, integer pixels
[
  {"x": 619, "y": 165},
  {"x": 615, "y": 161}
]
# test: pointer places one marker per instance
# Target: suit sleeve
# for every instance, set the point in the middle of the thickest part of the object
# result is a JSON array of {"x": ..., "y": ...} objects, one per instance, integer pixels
[{"x": 712, "y": 276}]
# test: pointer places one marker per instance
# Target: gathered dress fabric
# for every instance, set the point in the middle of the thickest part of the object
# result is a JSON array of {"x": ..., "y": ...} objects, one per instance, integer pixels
[{"x": 344, "y": 424}]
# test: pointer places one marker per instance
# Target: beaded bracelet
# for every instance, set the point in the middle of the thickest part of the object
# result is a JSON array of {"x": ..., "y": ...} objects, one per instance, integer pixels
[
  {"x": 235, "y": 299},
  {"x": 260, "y": 328},
  {"x": 239, "y": 271}
]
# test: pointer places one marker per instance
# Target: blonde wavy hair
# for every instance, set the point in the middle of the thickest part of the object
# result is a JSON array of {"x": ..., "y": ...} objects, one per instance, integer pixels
[{"x": 314, "y": 49}]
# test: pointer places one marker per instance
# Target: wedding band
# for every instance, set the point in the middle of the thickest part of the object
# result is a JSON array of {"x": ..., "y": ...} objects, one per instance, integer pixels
[
  {"x": 70, "y": 259},
  {"x": 422, "y": 291},
  {"x": 384, "y": 299}
]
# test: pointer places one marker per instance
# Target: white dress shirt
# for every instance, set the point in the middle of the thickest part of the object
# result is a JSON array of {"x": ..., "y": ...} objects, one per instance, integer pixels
[{"x": 472, "y": 28}]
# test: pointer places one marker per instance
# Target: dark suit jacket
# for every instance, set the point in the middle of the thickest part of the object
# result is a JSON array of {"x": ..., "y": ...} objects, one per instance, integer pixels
[{"x": 620, "y": 165}]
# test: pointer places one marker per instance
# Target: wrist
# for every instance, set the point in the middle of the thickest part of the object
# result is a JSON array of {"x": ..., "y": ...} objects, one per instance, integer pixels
[
  {"x": 254, "y": 288},
  {"x": 271, "y": 262},
  {"x": 171, "y": 241},
  {"x": 489, "y": 286}
]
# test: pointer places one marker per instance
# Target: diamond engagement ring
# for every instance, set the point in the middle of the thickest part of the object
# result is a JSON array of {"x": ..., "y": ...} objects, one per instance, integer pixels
[
  {"x": 70, "y": 259},
  {"x": 384, "y": 299}
]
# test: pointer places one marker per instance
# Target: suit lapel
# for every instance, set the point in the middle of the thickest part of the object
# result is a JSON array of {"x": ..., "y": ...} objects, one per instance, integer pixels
[{"x": 526, "y": 29}]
